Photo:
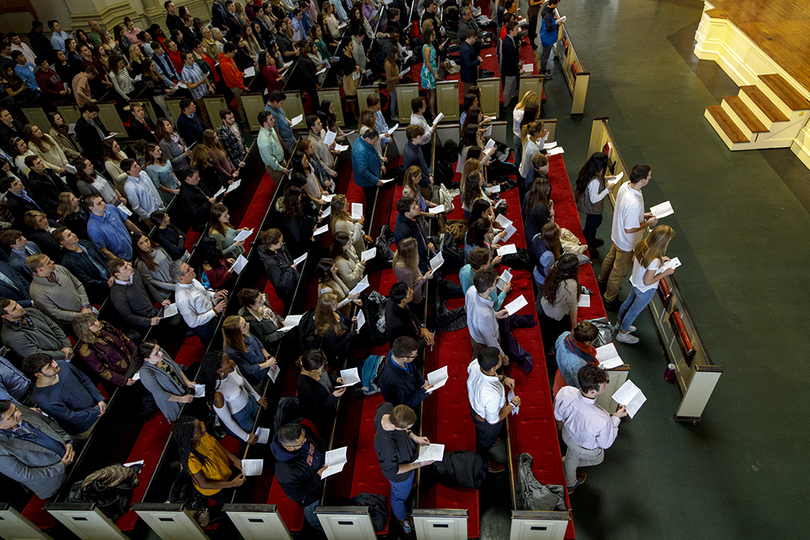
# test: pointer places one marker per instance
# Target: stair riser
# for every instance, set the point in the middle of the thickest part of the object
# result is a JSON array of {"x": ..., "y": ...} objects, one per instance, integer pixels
[
  {"x": 763, "y": 143},
  {"x": 787, "y": 111},
  {"x": 736, "y": 119},
  {"x": 756, "y": 110}
]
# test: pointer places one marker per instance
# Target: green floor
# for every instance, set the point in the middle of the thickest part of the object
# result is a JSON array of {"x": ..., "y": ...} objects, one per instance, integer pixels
[{"x": 741, "y": 222}]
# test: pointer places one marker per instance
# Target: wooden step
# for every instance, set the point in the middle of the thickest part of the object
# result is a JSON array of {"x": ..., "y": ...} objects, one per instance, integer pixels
[
  {"x": 727, "y": 124},
  {"x": 765, "y": 105},
  {"x": 746, "y": 115},
  {"x": 784, "y": 91}
]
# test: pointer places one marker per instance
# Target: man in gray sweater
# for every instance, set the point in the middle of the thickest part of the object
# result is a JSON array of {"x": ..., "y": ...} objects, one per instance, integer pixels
[
  {"x": 27, "y": 331},
  {"x": 56, "y": 291}
]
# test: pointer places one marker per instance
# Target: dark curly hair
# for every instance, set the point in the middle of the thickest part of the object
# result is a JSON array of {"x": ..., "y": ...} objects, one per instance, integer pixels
[{"x": 565, "y": 268}]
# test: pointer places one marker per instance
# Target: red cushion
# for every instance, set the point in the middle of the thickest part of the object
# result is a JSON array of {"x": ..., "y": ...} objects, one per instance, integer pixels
[{"x": 34, "y": 513}]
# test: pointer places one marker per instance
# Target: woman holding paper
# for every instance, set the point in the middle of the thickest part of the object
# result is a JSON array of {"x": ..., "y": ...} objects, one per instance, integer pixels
[
  {"x": 171, "y": 144},
  {"x": 592, "y": 187},
  {"x": 160, "y": 171},
  {"x": 406, "y": 268},
  {"x": 410, "y": 188},
  {"x": 246, "y": 350},
  {"x": 105, "y": 349},
  {"x": 235, "y": 401},
  {"x": 221, "y": 230},
  {"x": 350, "y": 267},
  {"x": 113, "y": 156},
  {"x": 533, "y": 138},
  {"x": 301, "y": 165},
  {"x": 329, "y": 282},
  {"x": 164, "y": 379},
  {"x": 317, "y": 395},
  {"x": 649, "y": 267},
  {"x": 472, "y": 192},
  {"x": 213, "y": 470},
  {"x": 88, "y": 181},
  {"x": 298, "y": 227},
  {"x": 332, "y": 327},
  {"x": 342, "y": 222},
  {"x": 264, "y": 323},
  {"x": 557, "y": 302},
  {"x": 538, "y": 208},
  {"x": 152, "y": 263},
  {"x": 481, "y": 234}
]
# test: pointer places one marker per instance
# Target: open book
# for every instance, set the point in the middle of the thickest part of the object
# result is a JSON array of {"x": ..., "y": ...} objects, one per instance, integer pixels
[
  {"x": 437, "y": 378},
  {"x": 631, "y": 397},
  {"x": 608, "y": 356}
]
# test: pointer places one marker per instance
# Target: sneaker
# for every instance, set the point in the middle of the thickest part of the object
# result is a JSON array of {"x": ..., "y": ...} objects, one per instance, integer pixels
[
  {"x": 547, "y": 76},
  {"x": 618, "y": 325},
  {"x": 628, "y": 338},
  {"x": 581, "y": 477},
  {"x": 407, "y": 528},
  {"x": 494, "y": 467},
  {"x": 597, "y": 242}
]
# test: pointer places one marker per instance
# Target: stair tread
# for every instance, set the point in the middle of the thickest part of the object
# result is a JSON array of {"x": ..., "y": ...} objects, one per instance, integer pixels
[
  {"x": 765, "y": 105},
  {"x": 785, "y": 91},
  {"x": 727, "y": 124},
  {"x": 745, "y": 114}
]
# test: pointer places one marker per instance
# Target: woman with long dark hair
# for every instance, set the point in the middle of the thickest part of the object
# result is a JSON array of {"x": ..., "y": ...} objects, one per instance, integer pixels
[
  {"x": 538, "y": 208},
  {"x": 317, "y": 395},
  {"x": 221, "y": 230},
  {"x": 170, "y": 237},
  {"x": 160, "y": 170},
  {"x": 557, "y": 302},
  {"x": 89, "y": 181},
  {"x": 347, "y": 260},
  {"x": 472, "y": 192},
  {"x": 278, "y": 264},
  {"x": 73, "y": 214},
  {"x": 332, "y": 327},
  {"x": 547, "y": 250},
  {"x": 264, "y": 323},
  {"x": 301, "y": 164},
  {"x": 164, "y": 379},
  {"x": 298, "y": 227},
  {"x": 591, "y": 188},
  {"x": 152, "y": 263},
  {"x": 171, "y": 144},
  {"x": 341, "y": 221},
  {"x": 235, "y": 401},
  {"x": 406, "y": 268},
  {"x": 246, "y": 350},
  {"x": 213, "y": 268},
  {"x": 328, "y": 116}
]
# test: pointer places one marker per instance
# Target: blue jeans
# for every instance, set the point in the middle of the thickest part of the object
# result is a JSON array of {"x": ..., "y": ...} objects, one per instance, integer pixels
[
  {"x": 206, "y": 331},
  {"x": 634, "y": 305},
  {"x": 312, "y": 519},
  {"x": 246, "y": 416},
  {"x": 399, "y": 494}
]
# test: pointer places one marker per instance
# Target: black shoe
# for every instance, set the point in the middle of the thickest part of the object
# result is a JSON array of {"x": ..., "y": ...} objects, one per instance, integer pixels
[
  {"x": 597, "y": 242},
  {"x": 602, "y": 285},
  {"x": 547, "y": 76},
  {"x": 613, "y": 305}
]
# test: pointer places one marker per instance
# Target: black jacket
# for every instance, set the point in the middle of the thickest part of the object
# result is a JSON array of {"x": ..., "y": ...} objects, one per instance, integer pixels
[
  {"x": 19, "y": 206},
  {"x": 336, "y": 347},
  {"x": 317, "y": 404},
  {"x": 509, "y": 58},
  {"x": 401, "y": 386},
  {"x": 468, "y": 61},
  {"x": 402, "y": 322},
  {"x": 191, "y": 129},
  {"x": 90, "y": 140},
  {"x": 195, "y": 204},
  {"x": 172, "y": 239},
  {"x": 9, "y": 132},
  {"x": 135, "y": 302},
  {"x": 298, "y": 232},
  {"x": 407, "y": 228},
  {"x": 45, "y": 189},
  {"x": 81, "y": 265},
  {"x": 136, "y": 130},
  {"x": 413, "y": 155},
  {"x": 20, "y": 291},
  {"x": 297, "y": 472},
  {"x": 283, "y": 277},
  {"x": 46, "y": 244}
]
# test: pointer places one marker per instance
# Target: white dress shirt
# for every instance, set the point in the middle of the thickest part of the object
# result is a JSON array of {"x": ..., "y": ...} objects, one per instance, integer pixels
[
  {"x": 481, "y": 319},
  {"x": 487, "y": 394},
  {"x": 142, "y": 195},
  {"x": 589, "y": 425},
  {"x": 419, "y": 120},
  {"x": 194, "y": 303},
  {"x": 628, "y": 214}
]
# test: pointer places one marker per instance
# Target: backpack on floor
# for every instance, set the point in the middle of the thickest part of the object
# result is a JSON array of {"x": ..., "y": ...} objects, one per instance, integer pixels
[
  {"x": 109, "y": 488},
  {"x": 370, "y": 373}
]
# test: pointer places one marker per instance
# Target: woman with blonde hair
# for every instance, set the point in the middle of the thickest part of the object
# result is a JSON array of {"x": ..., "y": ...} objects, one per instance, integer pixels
[
  {"x": 105, "y": 349},
  {"x": 520, "y": 108},
  {"x": 649, "y": 267},
  {"x": 218, "y": 155},
  {"x": 46, "y": 148},
  {"x": 341, "y": 221},
  {"x": 470, "y": 166},
  {"x": 332, "y": 327},
  {"x": 406, "y": 268},
  {"x": 410, "y": 188},
  {"x": 224, "y": 233},
  {"x": 347, "y": 260},
  {"x": 246, "y": 350}
]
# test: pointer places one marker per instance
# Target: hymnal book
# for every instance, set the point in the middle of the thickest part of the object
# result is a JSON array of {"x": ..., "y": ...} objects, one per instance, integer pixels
[
  {"x": 300, "y": 259},
  {"x": 357, "y": 211},
  {"x": 528, "y": 68},
  {"x": 437, "y": 378},
  {"x": 243, "y": 235},
  {"x": 361, "y": 319},
  {"x": 341, "y": 147},
  {"x": 239, "y": 264},
  {"x": 326, "y": 213},
  {"x": 327, "y": 198},
  {"x": 584, "y": 300},
  {"x": 437, "y": 261},
  {"x": 253, "y": 467},
  {"x": 631, "y": 397},
  {"x": 510, "y": 230},
  {"x": 436, "y": 209},
  {"x": 321, "y": 230},
  {"x": 438, "y": 118},
  {"x": 236, "y": 184},
  {"x": 549, "y": 145},
  {"x": 673, "y": 263},
  {"x": 516, "y": 305},
  {"x": 555, "y": 151},
  {"x": 334, "y": 460},
  {"x": 273, "y": 372},
  {"x": 169, "y": 311},
  {"x": 220, "y": 192},
  {"x": 504, "y": 278},
  {"x": 507, "y": 250},
  {"x": 330, "y": 138},
  {"x": 263, "y": 435},
  {"x": 290, "y": 322},
  {"x": 503, "y": 221},
  {"x": 608, "y": 356},
  {"x": 249, "y": 72},
  {"x": 430, "y": 452},
  {"x": 393, "y": 129},
  {"x": 368, "y": 254},
  {"x": 297, "y": 120},
  {"x": 490, "y": 144},
  {"x": 662, "y": 210},
  {"x": 199, "y": 390},
  {"x": 494, "y": 189},
  {"x": 360, "y": 287},
  {"x": 350, "y": 377}
]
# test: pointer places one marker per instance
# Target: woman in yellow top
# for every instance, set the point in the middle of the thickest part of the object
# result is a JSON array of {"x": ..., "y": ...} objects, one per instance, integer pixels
[{"x": 213, "y": 470}]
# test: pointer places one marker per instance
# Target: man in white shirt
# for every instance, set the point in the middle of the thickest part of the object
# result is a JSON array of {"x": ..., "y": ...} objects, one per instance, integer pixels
[
  {"x": 141, "y": 192},
  {"x": 417, "y": 118},
  {"x": 481, "y": 316},
  {"x": 627, "y": 230},
  {"x": 195, "y": 303},
  {"x": 488, "y": 405},
  {"x": 587, "y": 429}
]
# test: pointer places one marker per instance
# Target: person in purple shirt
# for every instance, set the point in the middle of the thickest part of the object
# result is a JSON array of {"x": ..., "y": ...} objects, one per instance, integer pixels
[{"x": 109, "y": 228}]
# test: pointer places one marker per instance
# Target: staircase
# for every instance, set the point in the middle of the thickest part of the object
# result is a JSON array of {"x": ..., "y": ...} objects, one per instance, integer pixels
[{"x": 769, "y": 114}]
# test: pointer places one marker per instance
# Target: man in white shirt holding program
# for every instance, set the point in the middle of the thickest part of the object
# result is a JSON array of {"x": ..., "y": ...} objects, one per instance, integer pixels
[
  {"x": 627, "y": 230},
  {"x": 198, "y": 306},
  {"x": 587, "y": 429}
]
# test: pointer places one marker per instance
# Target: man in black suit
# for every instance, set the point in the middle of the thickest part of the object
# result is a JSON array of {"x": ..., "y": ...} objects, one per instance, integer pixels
[
  {"x": 91, "y": 133},
  {"x": 45, "y": 185},
  {"x": 18, "y": 201},
  {"x": 218, "y": 15},
  {"x": 401, "y": 321},
  {"x": 9, "y": 128},
  {"x": 510, "y": 63},
  {"x": 141, "y": 126},
  {"x": 469, "y": 60},
  {"x": 189, "y": 124},
  {"x": 14, "y": 286}
]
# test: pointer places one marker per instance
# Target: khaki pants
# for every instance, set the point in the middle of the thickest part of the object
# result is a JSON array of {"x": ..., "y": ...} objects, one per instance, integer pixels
[
  {"x": 476, "y": 347},
  {"x": 616, "y": 266},
  {"x": 237, "y": 94},
  {"x": 576, "y": 456},
  {"x": 203, "y": 112},
  {"x": 274, "y": 174}
]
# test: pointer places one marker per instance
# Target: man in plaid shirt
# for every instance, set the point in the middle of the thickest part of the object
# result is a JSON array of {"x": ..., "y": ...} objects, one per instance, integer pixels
[{"x": 231, "y": 138}]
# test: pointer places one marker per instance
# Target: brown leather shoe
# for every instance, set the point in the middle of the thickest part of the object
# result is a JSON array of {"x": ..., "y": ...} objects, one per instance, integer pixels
[{"x": 494, "y": 467}]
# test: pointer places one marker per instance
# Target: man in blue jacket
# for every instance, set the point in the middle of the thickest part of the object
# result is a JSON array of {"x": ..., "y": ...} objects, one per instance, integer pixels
[
  {"x": 367, "y": 166},
  {"x": 413, "y": 155},
  {"x": 510, "y": 63},
  {"x": 400, "y": 383},
  {"x": 409, "y": 225},
  {"x": 299, "y": 468},
  {"x": 189, "y": 124},
  {"x": 548, "y": 35}
]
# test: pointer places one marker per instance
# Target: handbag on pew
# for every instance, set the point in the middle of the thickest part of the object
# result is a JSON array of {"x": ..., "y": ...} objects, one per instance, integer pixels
[
  {"x": 109, "y": 488},
  {"x": 532, "y": 495}
]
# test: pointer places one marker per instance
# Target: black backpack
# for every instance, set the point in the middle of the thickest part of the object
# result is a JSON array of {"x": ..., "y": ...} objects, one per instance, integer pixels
[
  {"x": 109, "y": 488},
  {"x": 307, "y": 336}
]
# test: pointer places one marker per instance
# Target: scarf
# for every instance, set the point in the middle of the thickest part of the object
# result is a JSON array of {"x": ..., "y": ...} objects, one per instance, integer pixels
[{"x": 586, "y": 352}]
